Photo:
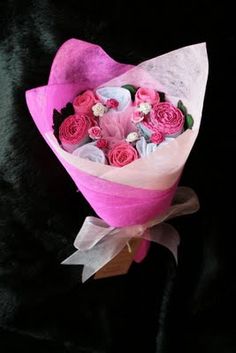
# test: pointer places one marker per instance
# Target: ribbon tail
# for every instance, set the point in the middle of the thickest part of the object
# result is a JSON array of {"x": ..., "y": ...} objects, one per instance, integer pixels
[
  {"x": 75, "y": 259},
  {"x": 165, "y": 235},
  {"x": 88, "y": 272},
  {"x": 80, "y": 258},
  {"x": 97, "y": 257}
]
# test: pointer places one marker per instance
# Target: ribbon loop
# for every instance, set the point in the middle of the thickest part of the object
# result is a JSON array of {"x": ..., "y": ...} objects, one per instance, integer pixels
[{"x": 92, "y": 231}]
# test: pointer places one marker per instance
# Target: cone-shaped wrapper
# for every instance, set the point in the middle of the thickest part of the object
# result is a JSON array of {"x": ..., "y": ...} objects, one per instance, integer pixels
[{"x": 137, "y": 192}]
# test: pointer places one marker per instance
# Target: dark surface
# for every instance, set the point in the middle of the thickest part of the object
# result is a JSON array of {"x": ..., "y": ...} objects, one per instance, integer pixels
[{"x": 43, "y": 307}]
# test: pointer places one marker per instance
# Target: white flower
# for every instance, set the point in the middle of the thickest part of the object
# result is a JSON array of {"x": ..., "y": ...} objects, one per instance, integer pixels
[
  {"x": 122, "y": 95},
  {"x": 144, "y": 148},
  {"x": 133, "y": 136},
  {"x": 145, "y": 108},
  {"x": 91, "y": 152},
  {"x": 99, "y": 109}
]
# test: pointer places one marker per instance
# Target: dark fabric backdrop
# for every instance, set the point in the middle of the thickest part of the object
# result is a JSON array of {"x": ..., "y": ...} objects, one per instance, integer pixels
[{"x": 156, "y": 307}]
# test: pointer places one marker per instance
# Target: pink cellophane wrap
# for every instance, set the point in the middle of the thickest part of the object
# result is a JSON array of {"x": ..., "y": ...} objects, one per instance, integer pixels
[{"x": 137, "y": 192}]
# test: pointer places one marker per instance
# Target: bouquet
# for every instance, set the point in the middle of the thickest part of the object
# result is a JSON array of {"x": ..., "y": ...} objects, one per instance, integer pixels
[
  {"x": 123, "y": 133},
  {"x": 109, "y": 127}
]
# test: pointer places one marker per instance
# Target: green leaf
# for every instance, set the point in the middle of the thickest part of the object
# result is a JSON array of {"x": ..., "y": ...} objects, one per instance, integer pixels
[
  {"x": 182, "y": 107},
  {"x": 189, "y": 121},
  {"x": 162, "y": 96},
  {"x": 132, "y": 90},
  {"x": 67, "y": 110}
]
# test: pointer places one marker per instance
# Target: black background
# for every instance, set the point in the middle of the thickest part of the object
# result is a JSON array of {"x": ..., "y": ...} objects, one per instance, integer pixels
[{"x": 156, "y": 307}]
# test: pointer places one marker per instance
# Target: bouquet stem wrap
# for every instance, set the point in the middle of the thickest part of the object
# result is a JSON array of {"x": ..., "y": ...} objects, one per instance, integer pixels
[
  {"x": 136, "y": 194},
  {"x": 98, "y": 243}
]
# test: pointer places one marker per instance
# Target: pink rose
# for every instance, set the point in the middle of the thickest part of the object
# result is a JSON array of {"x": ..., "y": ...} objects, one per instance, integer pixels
[
  {"x": 146, "y": 95},
  {"x": 157, "y": 137},
  {"x": 84, "y": 102},
  {"x": 74, "y": 131},
  {"x": 102, "y": 144},
  {"x": 167, "y": 118},
  {"x": 122, "y": 154},
  {"x": 95, "y": 132},
  {"x": 91, "y": 121},
  {"x": 137, "y": 117},
  {"x": 112, "y": 103}
]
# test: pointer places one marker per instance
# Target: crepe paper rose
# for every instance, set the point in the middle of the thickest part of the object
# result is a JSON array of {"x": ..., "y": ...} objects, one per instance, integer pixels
[
  {"x": 167, "y": 119},
  {"x": 146, "y": 95},
  {"x": 157, "y": 137},
  {"x": 91, "y": 152},
  {"x": 119, "y": 94},
  {"x": 144, "y": 148},
  {"x": 112, "y": 103},
  {"x": 144, "y": 108},
  {"x": 95, "y": 133},
  {"x": 132, "y": 137},
  {"x": 137, "y": 117},
  {"x": 122, "y": 154},
  {"x": 102, "y": 144},
  {"x": 73, "y": 132},
  {"x": 91, "y": 121},
  {"x": 99, "y": 110},
  {"x": 83, "y": 103}
]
